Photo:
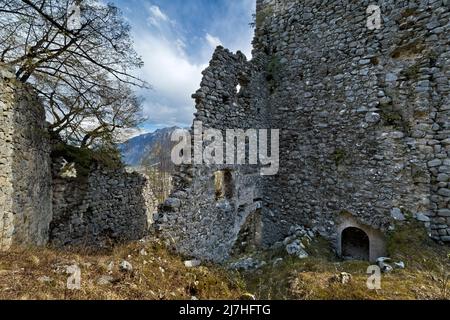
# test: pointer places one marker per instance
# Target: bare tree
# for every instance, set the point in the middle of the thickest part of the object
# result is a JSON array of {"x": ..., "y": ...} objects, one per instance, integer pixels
[{"x": 82, "y": 70}]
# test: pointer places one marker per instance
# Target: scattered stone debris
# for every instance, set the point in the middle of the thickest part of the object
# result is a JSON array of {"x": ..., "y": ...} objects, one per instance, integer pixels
[
  {"x": 296, "y": 248},
  {"x": 105, "y": 280},
  {"x": 125, "y": 266},
  {"x": 192, "y": 263},
  {"x": 248, "y": 296},
  {"x": 277, "y": 261},
  {"x": 297, "y": 241},
  {"x": 345, "y": 277},
  {"x": 342, "y": 278},
  {"x": 110, "y": 266},
  {"x": 385, "y": 268},
  {"x": 246, "y": 264},
  {"x": 64, "y": 267},
  {"x": 45, "y": 279},
  {"x": 385, "y": 264}
]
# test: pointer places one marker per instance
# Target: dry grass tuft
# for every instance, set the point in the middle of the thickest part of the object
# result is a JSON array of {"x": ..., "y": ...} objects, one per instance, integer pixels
[
  {"x": 40, "y": 273},
  {"x": 37, "y": 273}
]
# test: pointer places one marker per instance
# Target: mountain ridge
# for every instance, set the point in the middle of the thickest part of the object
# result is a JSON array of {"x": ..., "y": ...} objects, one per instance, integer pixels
[{"x": 149, "y": 149}]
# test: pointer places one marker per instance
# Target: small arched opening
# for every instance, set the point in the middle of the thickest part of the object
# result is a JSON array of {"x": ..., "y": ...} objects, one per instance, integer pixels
[{"x": 355, "y": 244}]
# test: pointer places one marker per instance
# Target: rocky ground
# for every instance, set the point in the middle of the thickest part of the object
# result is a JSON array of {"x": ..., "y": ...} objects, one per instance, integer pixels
[
  {"x": 301, "y": 267},
  {"x": 416, "y": 268}
]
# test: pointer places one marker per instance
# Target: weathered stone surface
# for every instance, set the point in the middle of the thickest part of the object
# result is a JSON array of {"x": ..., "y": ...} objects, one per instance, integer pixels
[
  {"x": 422, "y": 217},
  {"x": 444, "y": 212},
  {"x": 397, "y": 214},
  {"x": 364, "y": 120},
  {"x": 105, "y": 280},
  {"x": 322, "y": 78},
  {"x": 25, "y": 172},
  {"x": 106, "y": 207},
  {"x": 444, "y": 192},
  {"x": 192, "y": 263},
  {"x": 125, "y": 266}
]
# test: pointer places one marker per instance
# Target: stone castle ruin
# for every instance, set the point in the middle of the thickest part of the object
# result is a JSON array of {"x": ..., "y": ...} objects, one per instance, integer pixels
[
  {"x": 42, "y": 199},
  {"x": 365, "y": 129},
  {"x": 364, "y": 119}
]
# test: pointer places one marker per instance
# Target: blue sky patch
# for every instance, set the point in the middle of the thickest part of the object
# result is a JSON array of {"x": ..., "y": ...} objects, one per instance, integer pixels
[{"x": 176, "y": 39}]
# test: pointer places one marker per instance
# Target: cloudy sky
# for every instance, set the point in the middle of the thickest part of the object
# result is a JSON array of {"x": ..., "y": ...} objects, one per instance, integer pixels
[{"x": 176, "y": 39}]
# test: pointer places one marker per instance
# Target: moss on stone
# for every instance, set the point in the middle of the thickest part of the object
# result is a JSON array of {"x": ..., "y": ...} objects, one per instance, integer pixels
[
  {"x": 412, "y": 72},
  {"x": 273, "y": 72},
  {"x": 85, "y": 158},
  {"x": 339, "y": 156},
  {"x": 260, "y": 16}
]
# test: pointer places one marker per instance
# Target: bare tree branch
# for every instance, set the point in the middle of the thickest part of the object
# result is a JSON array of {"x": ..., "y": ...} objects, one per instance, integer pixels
[{"x": 83, "y": 75}]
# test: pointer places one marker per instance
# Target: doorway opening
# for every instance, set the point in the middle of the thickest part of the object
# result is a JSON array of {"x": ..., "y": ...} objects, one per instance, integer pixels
[{"x": 355, "y": 244}]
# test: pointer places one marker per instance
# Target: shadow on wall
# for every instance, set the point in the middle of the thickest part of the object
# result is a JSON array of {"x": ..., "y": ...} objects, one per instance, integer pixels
[
  {"x": 355, "y": 244},
  {"x": 359, "y": 242},
  {"x": 30, "y": 169},
  {"x": 106, "y": 207}
]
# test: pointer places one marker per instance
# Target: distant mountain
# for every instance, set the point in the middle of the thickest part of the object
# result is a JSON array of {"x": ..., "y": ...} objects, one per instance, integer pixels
[{"x": 151, "y": 149}]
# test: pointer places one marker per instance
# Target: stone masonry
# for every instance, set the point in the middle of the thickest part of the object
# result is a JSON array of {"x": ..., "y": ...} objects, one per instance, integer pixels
[
  {"x": 37, "y": 206},
  {"x": 25, "y": 170},
  {"x": 194, "y": 219},
  {"x": 106, "y": 207},
  {"x": 364, "y": 118}
]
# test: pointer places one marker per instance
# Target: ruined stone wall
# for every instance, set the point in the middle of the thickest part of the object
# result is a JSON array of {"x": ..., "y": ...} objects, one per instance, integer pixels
[
  {"x": 106, "y": 207},
  {"x": 365, "y": 114},
  {"x": 25, "y": 174},
  {"x": 364, "y": 118},
  {"x": 194, "y": 220},
  {"x": 103, "y": 207}
]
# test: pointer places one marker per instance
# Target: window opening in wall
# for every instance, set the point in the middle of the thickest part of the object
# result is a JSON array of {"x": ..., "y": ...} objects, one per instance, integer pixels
[{"x": 223, "y": 184}]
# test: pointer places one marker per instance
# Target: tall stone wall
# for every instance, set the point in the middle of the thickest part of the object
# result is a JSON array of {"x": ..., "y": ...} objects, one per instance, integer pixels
[
  {"x": 36, "y": 205},
  {"x": 194, "y": 219},
  {"x": 103, "y": 208},
  {"x": 364, "y": 113},
  {"x": 364, "y": 118},
  {"x": 25, "y": 172}
]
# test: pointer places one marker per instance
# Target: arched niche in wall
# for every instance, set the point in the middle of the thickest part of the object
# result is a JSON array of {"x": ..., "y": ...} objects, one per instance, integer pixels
[
  {"x": 355, "y": 244},
  {"x": 358, "y": 241}
]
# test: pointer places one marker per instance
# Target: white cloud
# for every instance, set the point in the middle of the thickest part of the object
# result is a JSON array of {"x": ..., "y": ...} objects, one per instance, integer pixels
[
  {"x": 173, "y": 76},
  {"x": 156, "y": 16},
  {"x": 213, "y": 41},
  {"x": 123, "y": 135},
  {"x": 234, "y": 28},
  {"x": 173, "y": 67},
  {"x": 157, "y": 13}
]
